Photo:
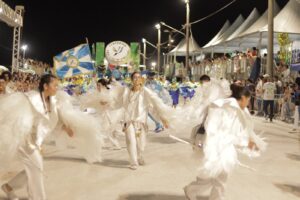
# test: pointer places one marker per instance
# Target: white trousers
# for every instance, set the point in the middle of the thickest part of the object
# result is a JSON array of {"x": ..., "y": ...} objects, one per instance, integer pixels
[
  {"x": 32, "y": 175},
  {"x": 136, "y": 142},
  {"x": 203, "y": 182},
  {"x": 113, "y": 139}
]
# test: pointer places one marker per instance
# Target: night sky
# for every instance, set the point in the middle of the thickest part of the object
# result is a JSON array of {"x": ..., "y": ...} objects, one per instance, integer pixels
[{"x": 51, "y": 27}]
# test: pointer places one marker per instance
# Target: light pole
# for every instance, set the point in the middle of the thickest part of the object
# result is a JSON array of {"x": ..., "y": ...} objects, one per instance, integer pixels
[
  {"x": 172, "y": 28},
  {"x": 187, "y": 36},
  {"x": 158, "y": 27},
  {"x": 270, "y": 37},
  {"x": 145, "y": 43},
  {"x": 153, "y": 64},
  {"x": 24, "y": 48},
  {"x": 152, "y": 45},
  {"x": 144, "y": 52}
]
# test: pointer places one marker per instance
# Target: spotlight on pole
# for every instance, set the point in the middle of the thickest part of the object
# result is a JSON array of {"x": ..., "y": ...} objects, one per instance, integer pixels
[
  {"x": 24, "y": 47},
  {"x": 157, "y": 26}
]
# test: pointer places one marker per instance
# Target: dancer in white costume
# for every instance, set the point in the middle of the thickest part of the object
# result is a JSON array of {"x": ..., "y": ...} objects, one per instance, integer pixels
[
  {"x": 229, "y": 129},
  {"x": 196, "y": 111},
  {"x": 25, "y": 121},
  {"x": 136, "y": 101},
  {"x": 103, "y": 101},
  {"x": 88, "y": 136}
]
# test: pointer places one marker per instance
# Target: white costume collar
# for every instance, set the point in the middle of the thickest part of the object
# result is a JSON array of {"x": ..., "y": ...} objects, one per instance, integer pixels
[
  {"x": 37, "y": 103},
  {"x": 229, "y": 101}
]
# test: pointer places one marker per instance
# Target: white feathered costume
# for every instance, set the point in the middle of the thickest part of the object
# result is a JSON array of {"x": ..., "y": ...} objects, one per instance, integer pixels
[
  {"x": 192, "y": 115},
  {"x": 107, "y": 115},
  {"x": 228, "y": 130},
  {"x": 24, "y": 122}
]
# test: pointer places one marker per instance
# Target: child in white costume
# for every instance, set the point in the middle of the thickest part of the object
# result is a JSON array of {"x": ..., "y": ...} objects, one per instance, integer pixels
[
  {"x": 136, "y": 102},
  {"x": 229, "y": 128}
]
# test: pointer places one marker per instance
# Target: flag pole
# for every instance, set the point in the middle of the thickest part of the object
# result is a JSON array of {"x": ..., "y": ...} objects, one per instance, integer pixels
[
  {"x": 87, "y": 41},
  {"x": 92, "y": 78}
]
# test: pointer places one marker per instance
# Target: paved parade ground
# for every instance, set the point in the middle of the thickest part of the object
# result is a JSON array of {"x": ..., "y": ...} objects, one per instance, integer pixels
[{"x": 170, "y": 166}]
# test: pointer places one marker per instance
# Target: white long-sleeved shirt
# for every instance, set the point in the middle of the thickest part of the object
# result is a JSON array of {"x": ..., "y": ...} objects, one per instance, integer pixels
[
  {"x": 44, "y": 122},
  {"x": 138, "y": 103},
  {"x": 228, "y": 129}
]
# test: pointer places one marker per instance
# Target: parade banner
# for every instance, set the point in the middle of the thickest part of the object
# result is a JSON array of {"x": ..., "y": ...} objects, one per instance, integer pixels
[
  {"x": 100, "y": 53},
  {"x": 295, "y": 65},
  {"x": 135, "y": 54},
  {"x": 73, "y": 62}
]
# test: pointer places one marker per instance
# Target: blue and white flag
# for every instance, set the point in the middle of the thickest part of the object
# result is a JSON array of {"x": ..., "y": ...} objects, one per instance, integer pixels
[{"x": 74, "y": 62}]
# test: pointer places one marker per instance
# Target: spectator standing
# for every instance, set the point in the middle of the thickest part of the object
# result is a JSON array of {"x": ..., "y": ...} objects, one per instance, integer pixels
[
  {"x": 259, "y": 96},
  {"x": 269, "y": 89}
]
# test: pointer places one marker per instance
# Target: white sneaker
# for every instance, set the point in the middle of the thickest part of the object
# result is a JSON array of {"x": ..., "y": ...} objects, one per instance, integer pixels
[
  {"x": 141, "y": 161},
  {"x": 10, "y": 194},
  {"x": 133, "y": 167},
  {"x": 185, "y": 189}
]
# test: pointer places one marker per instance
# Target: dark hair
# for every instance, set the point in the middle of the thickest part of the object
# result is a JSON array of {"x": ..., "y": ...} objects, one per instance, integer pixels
[
  {"x": 204, "y": 78},
  {"x": 238, "y": 91},
  {"x": 249, "y": 80},
  {"x": 8, "y": 73},
  {"x": 45, "y": 79},
  {"x": 151, "y": 74},
  {"x": 104, "y": 82},
  {"x": 131, "y": 77}
]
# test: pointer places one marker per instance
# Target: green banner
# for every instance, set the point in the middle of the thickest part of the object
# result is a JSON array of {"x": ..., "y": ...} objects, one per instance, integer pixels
[
  {"x": 135, "y": 54},
  {"x": 100, "y": 53}
]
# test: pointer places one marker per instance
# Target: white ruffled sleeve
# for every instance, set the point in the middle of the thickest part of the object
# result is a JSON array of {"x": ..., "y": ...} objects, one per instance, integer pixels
[
  {"x": 162, "y": 110},
  {"x": 219, "y": 150},
  {"x": 87, "y": 138},
  {"x": 16, "y": 122}
]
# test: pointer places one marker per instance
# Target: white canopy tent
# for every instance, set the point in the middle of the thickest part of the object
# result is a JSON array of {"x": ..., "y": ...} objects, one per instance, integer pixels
[
  {"x": 248, "y": 34},
  {"x": 2, "y": 68},
  {"x": 237, "y": 23},
  {"x": 180, "y": 49},
  {"x": 261, "y": 22},
  {"x": 251, "y": 19},
  {"x": 286, "y": 20},
  {"x": 224, "y": 36},
  {"x": 221, "y": 31}
]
